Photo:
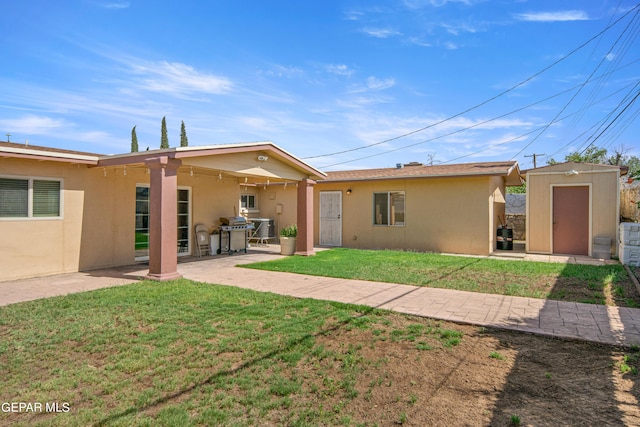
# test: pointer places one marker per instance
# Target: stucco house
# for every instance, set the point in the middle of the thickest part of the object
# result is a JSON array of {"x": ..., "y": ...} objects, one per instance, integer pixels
[
  {"x": 65, "y": 211},
  {"x": 453, "y": 208}
]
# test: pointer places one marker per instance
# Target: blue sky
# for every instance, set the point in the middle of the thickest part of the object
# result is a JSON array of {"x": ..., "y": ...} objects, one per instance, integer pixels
[{"x": 341, "y": 84}]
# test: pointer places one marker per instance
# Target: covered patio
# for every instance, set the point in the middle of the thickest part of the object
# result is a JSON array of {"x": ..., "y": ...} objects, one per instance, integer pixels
[{"x": 217, "y": 176}]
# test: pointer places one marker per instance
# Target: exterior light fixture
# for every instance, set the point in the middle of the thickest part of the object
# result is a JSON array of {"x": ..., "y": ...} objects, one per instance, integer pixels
[
  {"x": 263, "y": 158},
  {"x": 348, "y": 191},
  {"x": 571, "y": 172}
]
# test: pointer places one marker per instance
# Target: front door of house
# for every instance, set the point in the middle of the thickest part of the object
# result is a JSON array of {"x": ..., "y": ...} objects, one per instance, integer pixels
[
  {"x": 142, "y": 222},
  {"x": 331, "y": 218},
  {"x": 570, "y": 214}
]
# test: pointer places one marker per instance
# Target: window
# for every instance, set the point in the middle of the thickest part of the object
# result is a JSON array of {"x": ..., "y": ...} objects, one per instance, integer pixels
[
  {"x": 30, "y": 198},
  {"x": 248, "y": 202},
  {"x": 388, "y": 208}
]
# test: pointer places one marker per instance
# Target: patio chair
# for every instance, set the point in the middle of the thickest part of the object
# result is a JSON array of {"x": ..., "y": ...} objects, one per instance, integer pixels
[{"x": 202, "y": 240}]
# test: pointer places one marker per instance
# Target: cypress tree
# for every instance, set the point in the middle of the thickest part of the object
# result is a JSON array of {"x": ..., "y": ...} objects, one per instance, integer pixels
[
  {"x": 184, "y": 142},
  {"x": 134, "y": 140},
  {"x": 164, "y": 140}
]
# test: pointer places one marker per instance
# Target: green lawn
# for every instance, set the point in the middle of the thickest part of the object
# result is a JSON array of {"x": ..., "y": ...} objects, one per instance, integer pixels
[
  {"x": 571, "y": 282},
  {"x": 186, "y": 353}
]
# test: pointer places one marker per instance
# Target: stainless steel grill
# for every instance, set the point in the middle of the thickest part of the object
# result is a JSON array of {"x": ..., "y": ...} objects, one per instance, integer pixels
[{"x": 233, "y": 234}]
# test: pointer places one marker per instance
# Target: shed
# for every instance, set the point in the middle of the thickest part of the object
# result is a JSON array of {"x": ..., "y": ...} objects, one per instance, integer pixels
[{"x": 573, "y": 208}]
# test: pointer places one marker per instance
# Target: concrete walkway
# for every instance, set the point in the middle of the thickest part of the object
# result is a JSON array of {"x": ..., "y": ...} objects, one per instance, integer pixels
[{"x": 596, "y": 323}]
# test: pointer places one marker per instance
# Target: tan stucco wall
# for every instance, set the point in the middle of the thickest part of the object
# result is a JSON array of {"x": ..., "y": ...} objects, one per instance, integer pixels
[
  {"x": 98, "y": 225},
  {"x": 604, "y": 203},
  {"x": 454, "y": 215},
  {"x": 85, "y": 237},
  {"x": 274, "y": 196}
]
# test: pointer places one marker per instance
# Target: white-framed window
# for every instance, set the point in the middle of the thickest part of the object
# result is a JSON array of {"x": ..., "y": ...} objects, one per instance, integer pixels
[
  {"x": 30, "y": 197},
  {"x": 388, "y": 208},
  {"x": 249, "y": 202}
]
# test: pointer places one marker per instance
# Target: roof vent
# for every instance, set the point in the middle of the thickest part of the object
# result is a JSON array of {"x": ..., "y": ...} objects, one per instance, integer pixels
[
  {"x": 413, "y": 164},
  {"x": 398, "y": 165}
]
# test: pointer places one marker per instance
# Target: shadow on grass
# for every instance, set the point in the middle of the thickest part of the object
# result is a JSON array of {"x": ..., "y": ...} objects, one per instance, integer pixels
[
  {"x": 230, "y": 372},
  {"x": 559, "y": 376}
]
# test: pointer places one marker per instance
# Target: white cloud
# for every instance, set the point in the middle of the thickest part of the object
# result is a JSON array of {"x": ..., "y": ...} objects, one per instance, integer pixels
[
  {"x": 116, "y": 5},
  {"x": 560, "y": 16},
  {"x": 339, "y": 69},
  {"x": 374, "y": 83},
  {"x": 180, "y": 79},
  {"x": 282, "y": 71},
  {"x": 450, "y": 45},
  {"x": 32, "y": 125},
  {"x": 353, "y": 15},
  {"x": 381, "y": 33}
]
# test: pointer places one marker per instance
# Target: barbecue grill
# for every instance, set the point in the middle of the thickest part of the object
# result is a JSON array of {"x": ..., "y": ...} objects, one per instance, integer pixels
[{"x": 233, "y": 234}]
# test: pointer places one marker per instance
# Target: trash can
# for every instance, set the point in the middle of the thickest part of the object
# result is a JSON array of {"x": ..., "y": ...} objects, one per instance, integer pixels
[{"x": 505, "y": 238}]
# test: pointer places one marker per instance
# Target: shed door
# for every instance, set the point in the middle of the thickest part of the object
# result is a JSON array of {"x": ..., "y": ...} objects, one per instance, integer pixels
[
  {"x": 571, "y": 220},
  {"x": 331, "y": 218}
]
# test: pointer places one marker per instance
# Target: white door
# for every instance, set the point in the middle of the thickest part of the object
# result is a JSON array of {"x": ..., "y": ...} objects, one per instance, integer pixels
[{"x": 331, "y": 218}]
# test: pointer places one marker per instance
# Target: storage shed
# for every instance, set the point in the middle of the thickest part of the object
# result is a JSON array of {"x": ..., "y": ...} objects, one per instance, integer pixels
[{"x": 573, "y": 208}]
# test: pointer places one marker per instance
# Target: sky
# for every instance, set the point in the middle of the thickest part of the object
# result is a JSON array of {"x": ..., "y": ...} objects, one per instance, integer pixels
[{"x": 342, "y": 85}]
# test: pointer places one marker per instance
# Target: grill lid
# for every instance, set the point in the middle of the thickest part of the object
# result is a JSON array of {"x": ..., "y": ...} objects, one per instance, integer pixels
[{"x": 233, "y": 220}]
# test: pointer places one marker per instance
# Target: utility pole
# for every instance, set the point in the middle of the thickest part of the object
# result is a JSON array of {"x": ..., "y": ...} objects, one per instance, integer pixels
[
  {"x": 534, "y": 155},
  {"x": 8, "y": 136}
]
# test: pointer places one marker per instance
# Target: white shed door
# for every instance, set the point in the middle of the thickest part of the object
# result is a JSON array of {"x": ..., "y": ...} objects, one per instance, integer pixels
[{"x": 331, "y": 218}]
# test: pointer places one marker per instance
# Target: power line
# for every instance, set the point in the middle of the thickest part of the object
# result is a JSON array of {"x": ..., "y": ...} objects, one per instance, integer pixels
[
  {"x": 575, "y": 95},
  {"x": 488, "y": 121},
  {"x": 484, "y": 102},
  {"x": 534, "y": 155},
  {"x": 614, "y": 120}
]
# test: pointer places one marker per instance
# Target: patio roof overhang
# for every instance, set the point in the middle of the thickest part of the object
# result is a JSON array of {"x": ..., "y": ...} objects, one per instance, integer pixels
[{"x": 257, "y": 161}]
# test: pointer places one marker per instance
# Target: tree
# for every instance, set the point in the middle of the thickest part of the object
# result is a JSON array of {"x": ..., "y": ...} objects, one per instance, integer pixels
[
  {"x": 592, "y": 154},
  {"x": 520, "y": 189},
  {"x": 183, "y": 136},
  {"x": 134, "y": 140},
  {"x": 164, "y": 140}
]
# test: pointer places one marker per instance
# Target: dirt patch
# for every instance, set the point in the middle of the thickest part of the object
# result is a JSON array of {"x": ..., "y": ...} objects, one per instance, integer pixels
[{"x": 485, "y": 379}]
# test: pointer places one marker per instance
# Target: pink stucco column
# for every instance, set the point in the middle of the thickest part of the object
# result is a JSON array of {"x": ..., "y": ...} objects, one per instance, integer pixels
[
  {"x": 304, "y": 242},
  {"x": 163, "y": 222}
]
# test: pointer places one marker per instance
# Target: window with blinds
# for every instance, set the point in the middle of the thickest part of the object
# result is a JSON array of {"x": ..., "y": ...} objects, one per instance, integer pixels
[
  {"x": 30, "y": 198},
  {"x": 14, "y": 198},
  {"x": 46, "y": 198}
]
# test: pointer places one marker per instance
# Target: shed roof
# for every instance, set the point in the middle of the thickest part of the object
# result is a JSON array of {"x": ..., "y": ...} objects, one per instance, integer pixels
[
  {"x": 567, "y": 166},
  {"x": 508, "y": 169}
]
